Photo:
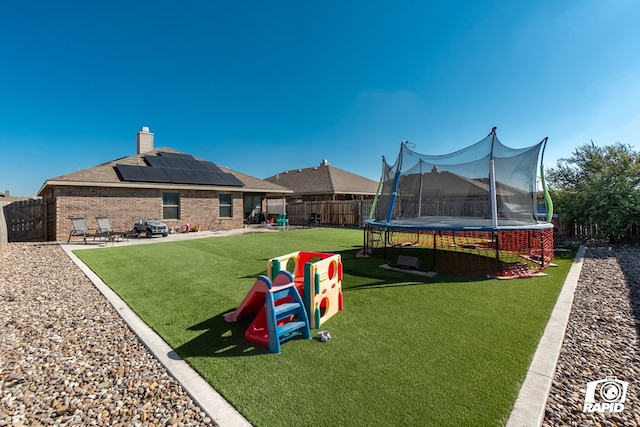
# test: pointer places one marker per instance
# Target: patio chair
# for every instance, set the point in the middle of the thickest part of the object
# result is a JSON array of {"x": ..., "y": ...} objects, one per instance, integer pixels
[
  {"x": 105, "y": 230},
  {"x": 79, "y": 229},
  {"x": 282, "y": 221},
  {"x": 314, "y": 218}
]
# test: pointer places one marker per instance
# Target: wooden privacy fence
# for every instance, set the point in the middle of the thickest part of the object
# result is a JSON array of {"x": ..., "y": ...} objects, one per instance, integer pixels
[
  {"x": 344, "y": 213},
  {"x": 352, "y": 213},
  {"x": 25, "y": 220}
]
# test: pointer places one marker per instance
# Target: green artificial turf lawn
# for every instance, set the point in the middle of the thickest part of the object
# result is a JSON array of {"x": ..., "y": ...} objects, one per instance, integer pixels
[{"x": 406, "y": 350}]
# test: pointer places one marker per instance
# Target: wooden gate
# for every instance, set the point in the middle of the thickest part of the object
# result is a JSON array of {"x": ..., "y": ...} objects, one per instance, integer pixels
[{"x": 26, "y": 220}]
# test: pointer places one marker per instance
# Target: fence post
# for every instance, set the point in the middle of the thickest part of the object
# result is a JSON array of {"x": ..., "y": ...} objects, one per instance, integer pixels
[{"x": 3, "y": 228}]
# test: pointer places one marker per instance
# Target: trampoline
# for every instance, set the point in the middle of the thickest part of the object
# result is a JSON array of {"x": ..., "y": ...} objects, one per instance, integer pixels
[{"x": 473, "y": 211}]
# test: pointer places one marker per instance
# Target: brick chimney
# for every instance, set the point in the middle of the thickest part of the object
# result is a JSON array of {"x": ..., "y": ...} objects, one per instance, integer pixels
[{"x": 144, "y": 139}]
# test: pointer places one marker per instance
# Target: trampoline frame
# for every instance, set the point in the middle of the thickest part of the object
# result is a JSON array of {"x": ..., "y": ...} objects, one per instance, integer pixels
[{"x": 450, "y": 229}]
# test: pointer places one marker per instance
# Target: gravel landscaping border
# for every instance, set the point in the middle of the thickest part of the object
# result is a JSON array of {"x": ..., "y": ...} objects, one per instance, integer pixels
[
  {"x": 66, "y": 356},
  {"x": 601, "y": 339}
]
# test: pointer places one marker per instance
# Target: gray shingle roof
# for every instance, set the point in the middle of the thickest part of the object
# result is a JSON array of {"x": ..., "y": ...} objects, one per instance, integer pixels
[
  {"x": 324, "y": 179},
  {"x": 104, "y": 175}
]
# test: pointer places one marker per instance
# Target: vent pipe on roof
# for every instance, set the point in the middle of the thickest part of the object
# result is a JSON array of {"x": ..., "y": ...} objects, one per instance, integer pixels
[
  {"x": 144, "y": 140},
  {"x": 325, "y": 162}
]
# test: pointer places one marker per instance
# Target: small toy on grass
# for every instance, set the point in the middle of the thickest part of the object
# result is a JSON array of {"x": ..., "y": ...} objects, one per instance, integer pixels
[{"x": 323, "y": 336}]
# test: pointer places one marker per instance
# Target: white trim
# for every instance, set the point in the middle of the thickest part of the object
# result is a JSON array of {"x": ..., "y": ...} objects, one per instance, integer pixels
[{"x": 152, "y": 185}]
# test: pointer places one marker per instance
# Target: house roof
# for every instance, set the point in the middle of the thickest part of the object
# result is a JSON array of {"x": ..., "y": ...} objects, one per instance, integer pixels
[
  {"x": 106, "y": 175},
  {"x": 8, "y": 198},
  {"x": 435, "y": 182},
  {"x": 324, "y": 179},
  {"x": 455, "y": 185}
]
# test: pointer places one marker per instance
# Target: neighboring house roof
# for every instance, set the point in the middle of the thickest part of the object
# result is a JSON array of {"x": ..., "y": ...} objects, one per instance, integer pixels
[
  {"x": 436, "y": 182},
  {"x": 8, "y": 198},
  {"x": 106, "y": 175},
  {"x": 324, "y": 179},
  {"x": 449, "y": 184}
]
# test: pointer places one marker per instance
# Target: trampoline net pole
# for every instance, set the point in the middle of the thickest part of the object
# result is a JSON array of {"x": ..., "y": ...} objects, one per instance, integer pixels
[{"x": 492, "y": 190}]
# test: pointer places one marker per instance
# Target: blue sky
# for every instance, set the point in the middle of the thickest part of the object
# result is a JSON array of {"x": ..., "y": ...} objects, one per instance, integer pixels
[{"x": 264, "y": 87}]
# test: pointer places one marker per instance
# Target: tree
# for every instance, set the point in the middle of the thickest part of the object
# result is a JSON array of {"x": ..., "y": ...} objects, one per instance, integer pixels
[{"x": 599, "y": 185}]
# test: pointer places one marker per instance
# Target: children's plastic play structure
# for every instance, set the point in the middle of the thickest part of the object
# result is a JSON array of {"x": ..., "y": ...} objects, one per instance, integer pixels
[
  {"x": 280, "y": 312},
  {"x": 301, "y": 291},
  {"x": 318, "y": 278}
]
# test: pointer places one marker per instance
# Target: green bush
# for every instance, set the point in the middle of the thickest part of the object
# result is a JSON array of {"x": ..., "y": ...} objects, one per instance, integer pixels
[{"x": 601, "y": 186}]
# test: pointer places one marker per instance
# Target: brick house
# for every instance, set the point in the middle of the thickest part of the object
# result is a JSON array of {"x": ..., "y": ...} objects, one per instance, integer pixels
[{"x": 155, "y": 183}]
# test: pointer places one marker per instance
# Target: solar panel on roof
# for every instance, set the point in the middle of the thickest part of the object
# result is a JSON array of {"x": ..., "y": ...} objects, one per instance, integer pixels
[
  {"x": 196, "y": 177},
  {"x": 177, "y": 168},
  {"x": 223, "y": 178},
  {"x": 177, "y": 163},
  {"x": 192, "y": 164},
  {"x": 210, "y": 166},
  {"x": 131, "y": 173},
  {"x": 232, "y": 180},
  {"x": 177, "y": 176},
  {"x": 213, "y": 178},
  {"x": 156, "y": 175},
  {"x": 156, "y": 161}
]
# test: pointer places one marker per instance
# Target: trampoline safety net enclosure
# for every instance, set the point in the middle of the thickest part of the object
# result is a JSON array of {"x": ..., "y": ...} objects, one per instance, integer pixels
[{"x": 473, "y": 211}]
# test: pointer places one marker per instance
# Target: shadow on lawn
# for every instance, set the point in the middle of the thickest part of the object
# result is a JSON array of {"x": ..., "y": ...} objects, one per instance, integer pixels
[
  {"x": 369, "y": 268},
  {"x": 378, "y": 277},
  {"x": 221, "y": 339}
]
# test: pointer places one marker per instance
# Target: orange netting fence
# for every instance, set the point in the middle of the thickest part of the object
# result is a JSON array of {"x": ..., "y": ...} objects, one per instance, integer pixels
[{"x": 502, "y": 253}]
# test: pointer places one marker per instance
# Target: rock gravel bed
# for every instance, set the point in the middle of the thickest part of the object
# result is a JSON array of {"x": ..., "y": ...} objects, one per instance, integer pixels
[
  {"x": 67, "y": 358},
  {"x": 601, "y": 339}
]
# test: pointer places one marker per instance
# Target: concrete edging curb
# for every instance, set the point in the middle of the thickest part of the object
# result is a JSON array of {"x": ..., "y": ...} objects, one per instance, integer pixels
[
  {"x": 529, "y": 408},
  {"x": 205, "y": 396}
]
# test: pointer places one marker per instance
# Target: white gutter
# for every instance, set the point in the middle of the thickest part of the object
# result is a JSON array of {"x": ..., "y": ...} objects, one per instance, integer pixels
[{"x": 159, "y": 186}]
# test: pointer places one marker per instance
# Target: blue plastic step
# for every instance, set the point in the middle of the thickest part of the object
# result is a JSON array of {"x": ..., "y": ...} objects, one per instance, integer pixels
[
  {"x": 284, "y": 305},
  {"x": 281, "y": 293},
  {"x": 289, "y": 328},
  {"x": 283, "y": 310}
]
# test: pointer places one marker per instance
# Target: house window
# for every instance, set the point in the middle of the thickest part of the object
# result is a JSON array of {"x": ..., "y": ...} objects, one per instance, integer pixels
[
  {"x": 170, "y": 205},
  {"x": 224, "y": 201}
]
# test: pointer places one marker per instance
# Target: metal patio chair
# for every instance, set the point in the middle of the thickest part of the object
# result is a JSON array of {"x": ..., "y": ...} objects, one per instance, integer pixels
[
  {"x": 80, "y": 229},
  {"x": 105, "y": 230}
]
